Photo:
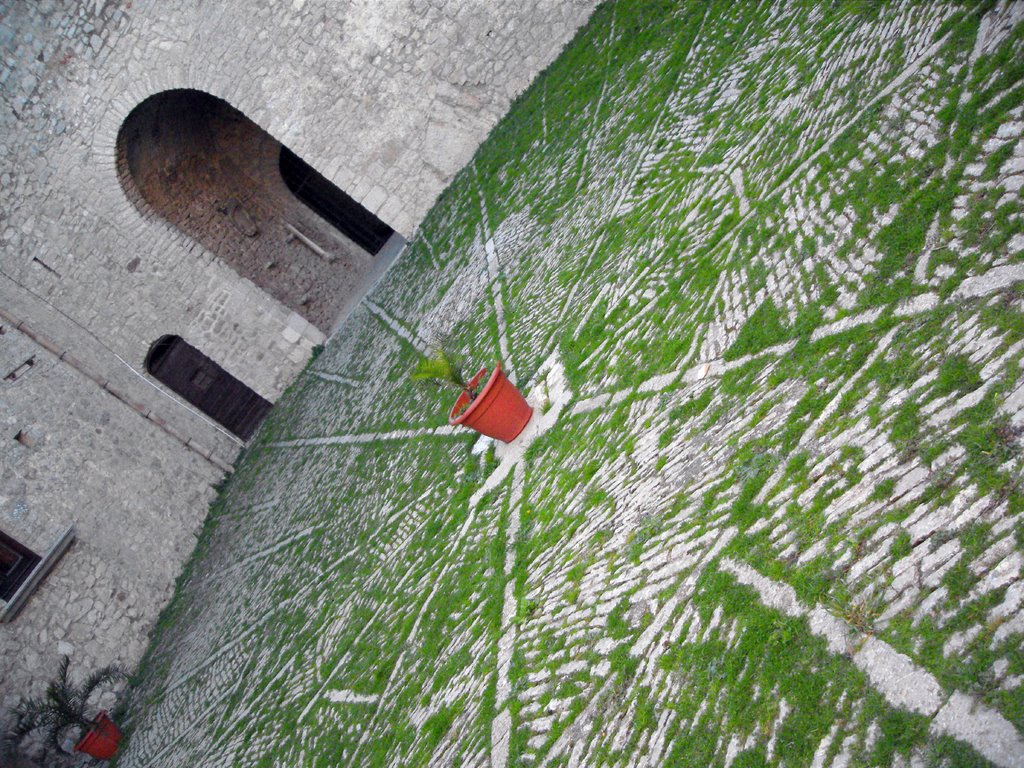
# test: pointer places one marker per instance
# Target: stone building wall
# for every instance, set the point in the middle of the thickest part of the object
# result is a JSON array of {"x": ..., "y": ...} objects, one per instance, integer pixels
[
  {"x": 135, "y": 497},
  {"x": 388, "y": 100}
]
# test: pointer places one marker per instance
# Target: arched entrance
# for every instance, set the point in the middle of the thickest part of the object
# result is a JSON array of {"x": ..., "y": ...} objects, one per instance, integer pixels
[
  {"x": 206, "y": 385},
  {"x": 202, "y": 165}
]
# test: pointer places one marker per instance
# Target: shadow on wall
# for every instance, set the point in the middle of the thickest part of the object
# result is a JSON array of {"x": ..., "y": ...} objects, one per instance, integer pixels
[{"x": 200, "y": 164}]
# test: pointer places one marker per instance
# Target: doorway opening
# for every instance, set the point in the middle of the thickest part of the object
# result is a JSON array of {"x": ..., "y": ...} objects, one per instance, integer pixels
[
  {"x": 333, "y": 205},
  {"x": 207, "y": 386},
  {"x": 199, "y": 163}
]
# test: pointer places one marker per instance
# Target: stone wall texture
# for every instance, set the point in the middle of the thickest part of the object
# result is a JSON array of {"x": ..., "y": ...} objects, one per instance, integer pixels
[
  {"x": 134, "y": 495},
  {"x": 388, "y": 100}
]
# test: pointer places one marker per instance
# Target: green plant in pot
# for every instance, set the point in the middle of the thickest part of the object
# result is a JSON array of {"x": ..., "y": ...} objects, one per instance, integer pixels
[
  {"x": 65, "y": 710},
  {"x": 488, "y": 402},
  {"x": 441, "y": 367}
]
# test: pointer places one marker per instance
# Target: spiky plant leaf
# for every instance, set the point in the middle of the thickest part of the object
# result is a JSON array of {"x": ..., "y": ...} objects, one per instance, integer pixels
[
  {"x": 440, "y": 367},
  {"x": 108, "y": 674},
  {"x": 63, "y": 707}
]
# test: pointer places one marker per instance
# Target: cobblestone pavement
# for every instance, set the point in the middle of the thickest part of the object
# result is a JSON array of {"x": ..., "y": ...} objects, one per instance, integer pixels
[{"x": 758, "y": 266}]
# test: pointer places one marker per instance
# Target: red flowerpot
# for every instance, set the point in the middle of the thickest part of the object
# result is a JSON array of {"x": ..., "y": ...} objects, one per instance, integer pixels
[
  {"x": 498, "y": 411},
  {"x": 102, "y": 739}
]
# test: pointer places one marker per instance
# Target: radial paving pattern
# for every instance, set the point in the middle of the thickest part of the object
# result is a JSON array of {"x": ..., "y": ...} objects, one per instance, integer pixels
[{"x": 760, "y": 267}]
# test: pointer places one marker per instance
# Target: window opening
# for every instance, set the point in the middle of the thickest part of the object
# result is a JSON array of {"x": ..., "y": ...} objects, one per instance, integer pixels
[{"x": 16, "y": 564}]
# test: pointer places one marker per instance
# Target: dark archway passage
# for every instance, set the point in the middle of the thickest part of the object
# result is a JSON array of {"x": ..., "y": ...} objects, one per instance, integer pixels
[
  {"x": 202, "y": 165},
  {"x": 206, "y": 385},
  {"x": 337, "y": 208}
]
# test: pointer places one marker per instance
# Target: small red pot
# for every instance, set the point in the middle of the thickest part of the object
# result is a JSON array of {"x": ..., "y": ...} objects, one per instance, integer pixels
[
  {"x": 102, "y": 739},
  {"x": 499, "y": 411}
]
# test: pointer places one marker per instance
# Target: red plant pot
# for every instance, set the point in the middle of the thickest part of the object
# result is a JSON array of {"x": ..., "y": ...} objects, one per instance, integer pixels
[
  {"x": 102, "y": 739},
  {"x": 499, "y": 411}
]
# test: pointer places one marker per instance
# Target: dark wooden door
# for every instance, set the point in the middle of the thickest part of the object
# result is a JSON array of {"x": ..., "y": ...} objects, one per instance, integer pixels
[
  {"x": 207, "y": 386},
  {"x": 16, "y": 563}
]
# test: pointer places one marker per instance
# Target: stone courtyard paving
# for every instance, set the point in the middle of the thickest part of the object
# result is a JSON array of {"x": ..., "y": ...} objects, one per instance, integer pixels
[{"x": 760, "y": 267}]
